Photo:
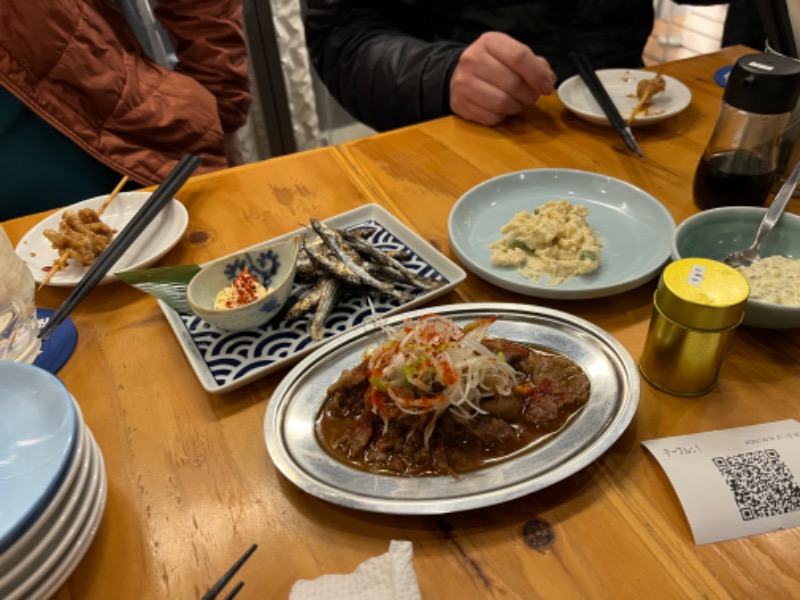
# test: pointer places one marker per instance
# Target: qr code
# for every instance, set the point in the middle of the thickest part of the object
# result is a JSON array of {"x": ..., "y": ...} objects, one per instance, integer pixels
[{"x": 762, "y": 484}]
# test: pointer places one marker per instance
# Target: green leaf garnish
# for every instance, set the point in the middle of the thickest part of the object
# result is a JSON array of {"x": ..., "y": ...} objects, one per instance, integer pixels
[{"x": 165, "y": 283}]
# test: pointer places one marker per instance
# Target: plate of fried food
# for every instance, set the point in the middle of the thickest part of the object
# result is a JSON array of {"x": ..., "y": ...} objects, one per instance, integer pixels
[
  {"x": 642, "y": 97},
  {"x": 331, "y": 295},
  {"x": 61, "y": 248}
]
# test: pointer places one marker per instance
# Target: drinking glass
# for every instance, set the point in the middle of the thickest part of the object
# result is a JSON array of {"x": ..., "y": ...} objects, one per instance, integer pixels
[{"x": 18, "y": 323}]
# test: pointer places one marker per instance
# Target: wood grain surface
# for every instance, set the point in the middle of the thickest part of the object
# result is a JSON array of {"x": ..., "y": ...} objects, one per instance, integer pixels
[{"x": 191, "y": 485}]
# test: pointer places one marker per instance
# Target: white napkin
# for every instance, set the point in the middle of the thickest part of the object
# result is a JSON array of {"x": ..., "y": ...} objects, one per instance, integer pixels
[{"x": 389, "y": 576}]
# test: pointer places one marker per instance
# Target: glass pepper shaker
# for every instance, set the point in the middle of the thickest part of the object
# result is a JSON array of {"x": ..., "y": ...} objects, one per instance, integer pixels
[{"x": 740, "y": 162}]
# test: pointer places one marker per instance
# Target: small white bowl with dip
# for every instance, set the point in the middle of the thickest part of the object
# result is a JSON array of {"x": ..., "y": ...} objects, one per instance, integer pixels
[
  {"x": 246, "y": 289},
  {"x": 717, "y": 232}
]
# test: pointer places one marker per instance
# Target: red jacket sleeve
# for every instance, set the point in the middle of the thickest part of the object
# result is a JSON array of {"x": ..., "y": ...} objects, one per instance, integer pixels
[{"x": 209, "y": 40}]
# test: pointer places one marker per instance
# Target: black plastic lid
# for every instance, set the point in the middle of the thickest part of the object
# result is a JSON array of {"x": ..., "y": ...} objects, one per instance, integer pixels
[{"x": 766, "y": 84}]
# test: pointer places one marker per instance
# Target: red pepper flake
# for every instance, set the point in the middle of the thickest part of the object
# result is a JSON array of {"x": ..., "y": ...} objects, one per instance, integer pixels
[{"x": 245, "y": 290}]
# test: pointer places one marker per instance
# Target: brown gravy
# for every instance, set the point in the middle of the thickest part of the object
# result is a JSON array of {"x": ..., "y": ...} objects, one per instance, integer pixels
[{"x": 550, "y": 391}]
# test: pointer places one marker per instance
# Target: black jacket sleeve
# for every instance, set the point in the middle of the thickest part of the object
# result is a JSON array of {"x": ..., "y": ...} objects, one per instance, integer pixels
[{"x": 367, "y": 55}]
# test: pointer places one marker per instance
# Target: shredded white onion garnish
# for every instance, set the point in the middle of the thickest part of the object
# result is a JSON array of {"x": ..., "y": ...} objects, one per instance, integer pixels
[{"x": 435, "y": 365}]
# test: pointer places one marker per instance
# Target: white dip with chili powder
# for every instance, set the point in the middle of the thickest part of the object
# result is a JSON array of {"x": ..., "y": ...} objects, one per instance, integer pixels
[
  {"x": 774, "y": 279},
  {"x": 554, "y": 240},
  {"x": 245, "y": 289}
]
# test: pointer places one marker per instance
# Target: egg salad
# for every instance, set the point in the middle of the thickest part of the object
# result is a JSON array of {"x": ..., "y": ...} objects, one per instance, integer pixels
[{"x": 554, "y": 241}]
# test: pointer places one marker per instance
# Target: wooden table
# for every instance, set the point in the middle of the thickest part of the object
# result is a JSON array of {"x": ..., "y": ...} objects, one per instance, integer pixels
[{"x": 191, "y": 485}]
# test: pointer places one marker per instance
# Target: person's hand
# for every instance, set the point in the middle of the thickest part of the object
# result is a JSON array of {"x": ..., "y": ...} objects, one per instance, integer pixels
[
  {"x": 496, "y": 77},
  {"x": 232, "y": 150}
]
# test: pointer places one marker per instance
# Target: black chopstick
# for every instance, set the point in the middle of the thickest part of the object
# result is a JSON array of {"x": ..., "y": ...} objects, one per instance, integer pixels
[
  {"x": 143, "y": 217},
  {"x": 587, "y": 73},
  {"x": 217, "y": 587},
  {"x": 236, "y": 589},
  {"x": 777, "y": 36}
]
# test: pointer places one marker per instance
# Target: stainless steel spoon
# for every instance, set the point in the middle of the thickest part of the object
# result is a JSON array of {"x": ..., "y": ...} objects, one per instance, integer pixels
[{"x": 745, "y": 258}]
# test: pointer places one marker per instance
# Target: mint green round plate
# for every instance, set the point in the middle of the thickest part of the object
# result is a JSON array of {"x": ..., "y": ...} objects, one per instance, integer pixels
[{"x": 635, "y": 228}]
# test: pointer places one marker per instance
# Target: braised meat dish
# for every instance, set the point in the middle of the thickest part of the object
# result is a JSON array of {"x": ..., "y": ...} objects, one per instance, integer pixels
[{"x": 438, "y": 399}]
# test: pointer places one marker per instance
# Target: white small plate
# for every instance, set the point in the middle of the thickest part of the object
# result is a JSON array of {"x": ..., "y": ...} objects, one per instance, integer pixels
[
  {"x": 55, "y": 578},
  {"x": 37, "y": 445},
  {"x": 621, "y": 87},
  {"x": 635, "y": 228},
  {"x": 155, "y": 241},
  {"x": 48, "y": 547},
  {"x": 57, "y": 552},
  {"x": 74, "y": 480}
]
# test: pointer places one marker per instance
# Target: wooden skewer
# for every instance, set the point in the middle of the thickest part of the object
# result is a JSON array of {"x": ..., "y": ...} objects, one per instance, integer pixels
[
  {"x": 112, "y": 195},
  {"x": 639, "y": 106},
  {"x": 57, "y": 266},
  {"x": 62, "y": 260}
]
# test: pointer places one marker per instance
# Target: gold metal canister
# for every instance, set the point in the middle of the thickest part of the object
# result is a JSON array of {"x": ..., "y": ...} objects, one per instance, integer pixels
[{"x": 696, "y": 307}]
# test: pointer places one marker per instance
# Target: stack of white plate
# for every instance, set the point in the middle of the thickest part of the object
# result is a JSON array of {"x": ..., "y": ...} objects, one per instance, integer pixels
[{"x": 52, "y": 483}]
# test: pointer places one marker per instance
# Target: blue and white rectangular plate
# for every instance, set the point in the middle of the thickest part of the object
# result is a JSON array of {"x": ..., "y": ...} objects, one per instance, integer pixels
[{"x": 226, "y": 360}]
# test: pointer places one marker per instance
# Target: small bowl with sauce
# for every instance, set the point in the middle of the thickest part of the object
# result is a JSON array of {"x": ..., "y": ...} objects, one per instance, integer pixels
[
  {"x": 774, "y": 301},
  {"x": 246, "y": 289}
]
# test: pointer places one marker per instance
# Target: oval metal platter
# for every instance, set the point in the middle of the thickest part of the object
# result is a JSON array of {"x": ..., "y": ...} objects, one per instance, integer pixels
[{"x": 293, "y": 446}]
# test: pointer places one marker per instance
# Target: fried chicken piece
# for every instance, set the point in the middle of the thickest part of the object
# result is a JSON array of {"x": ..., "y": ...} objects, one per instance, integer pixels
[
  {"x": 647, "y": 88},
  {"x": 82, "y": 235}
]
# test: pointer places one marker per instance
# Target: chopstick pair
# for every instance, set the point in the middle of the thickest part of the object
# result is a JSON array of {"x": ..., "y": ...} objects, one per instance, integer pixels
[
  {"x": 589, "y": 77},
  {"x": 215, "y": 589},
  {"x": 143, "y": 217}
]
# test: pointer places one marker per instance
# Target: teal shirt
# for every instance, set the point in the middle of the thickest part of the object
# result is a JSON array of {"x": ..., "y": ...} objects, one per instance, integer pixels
[{"x": 41, "y": 168}]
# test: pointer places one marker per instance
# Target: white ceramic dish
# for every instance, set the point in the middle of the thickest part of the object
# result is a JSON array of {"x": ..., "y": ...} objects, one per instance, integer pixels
[
  {"x": 51, "y": 581},
  {"x": 155, "y": 241},
  {"x": 621, "y": 87},
  {"x": 73, "y": 481},
  {"x": 272, "y": 265},
  {"x": 635, "y": 228},
  {"x": 37, "y": 444},
  {"x": 57, "y": 559},
  {"x": 50, "y": 545},
  {"x": 225, "y": 360}
]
